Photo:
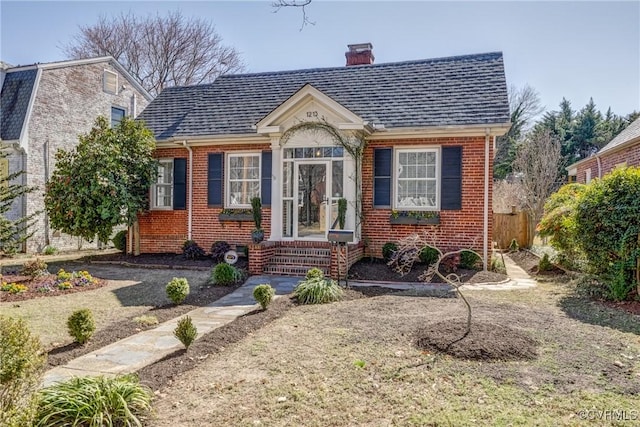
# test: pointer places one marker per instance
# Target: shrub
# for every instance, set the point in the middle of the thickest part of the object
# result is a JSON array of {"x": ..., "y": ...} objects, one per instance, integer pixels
[
  {"x": 388, "y": 249},
  {"x": 497, "y": 265},
  {"x": 21, "y": 362},
  {"x": 218, "y": 249},
  {"x": 470, "y": 260},
  {"x": 428, "y": 255},
  {"x": 120, "y": 240},
  {"x": 35, "y": 268},
  {"x": 94, "y": 401},
  {"x": 146, "y": 320},
  {"x": 191, "y": 250},
  {"x": 591, "y": 286},
  {"x": 545, "y": 263},
  {"x": 186, "y": 331},
  {"x": 177, "y": 290},
  {"x": 13, "y": 288},
  {"x": 514, "y": 246},
  {"x": 50, "y": 250},
  {"x": 315, "y": 289},
  {"x": 264, "y": 294},
  {"x": 450, "y": 264},
  {"x": 607, "y": 227},
  {"x": 224, "y": 274},
  {"x": 81, "y": 325},
  {"x": 315, "y": 273}
]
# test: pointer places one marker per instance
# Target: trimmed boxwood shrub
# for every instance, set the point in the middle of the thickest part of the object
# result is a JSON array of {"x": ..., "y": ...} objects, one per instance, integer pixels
[
  {"x": 428, "y": 255},
  {"x": 81, "y": 325},
  {"x": 263, "y": 294},
  {"x": 177, "y": 290},
  {"x": 224, "y": 274},
  {"x": 120, "y": 240}
]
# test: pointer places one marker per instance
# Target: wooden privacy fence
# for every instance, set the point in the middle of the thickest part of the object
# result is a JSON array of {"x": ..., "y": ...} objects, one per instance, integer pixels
[{"x": 509, "y": 226}]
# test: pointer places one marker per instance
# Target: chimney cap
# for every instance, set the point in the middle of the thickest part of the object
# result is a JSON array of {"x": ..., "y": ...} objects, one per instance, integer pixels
[{"x": 360, "y": 47}]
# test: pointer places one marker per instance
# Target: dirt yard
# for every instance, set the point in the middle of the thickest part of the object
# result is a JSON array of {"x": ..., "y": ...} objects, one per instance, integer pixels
[{"x": 356, "y": 362}]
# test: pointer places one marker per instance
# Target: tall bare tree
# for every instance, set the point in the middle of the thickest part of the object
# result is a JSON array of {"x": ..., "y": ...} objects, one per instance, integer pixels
[
  {"x": 161, "y": 51},
  {"x": 301, "y": 4},
  {"x": 536, "y": 165}
]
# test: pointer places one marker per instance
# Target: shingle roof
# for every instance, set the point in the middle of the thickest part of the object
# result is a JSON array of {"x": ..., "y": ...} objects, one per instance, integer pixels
[
  {"x": 14, "y": 102},
  {"x": 462, "y": 90},
  {"x": 629, "y": 133}
]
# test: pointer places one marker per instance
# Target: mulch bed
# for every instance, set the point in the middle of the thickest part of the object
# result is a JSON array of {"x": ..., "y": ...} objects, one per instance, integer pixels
[
  {"x": 165, "y": 260},
  {"x": 486, "y": 341},
  {"x": 34, "y": 286},
  {"x": 529, "y": 262},
  {"x": 377, "y": 270}
]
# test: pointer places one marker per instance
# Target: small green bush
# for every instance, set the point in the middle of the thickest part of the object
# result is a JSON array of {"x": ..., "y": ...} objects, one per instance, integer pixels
[
  {"x": 81, "y": 325},
  {"x": 120, "y": 240},
  {"x": 177, "y": 290},
  {"x": 94, "y": 401},
  {"x": 470, "y": 260},
  {"x": 545, "y": 263},
  {"x": 50, "y": 250},
  {"x": 428, "y": 255},
  {"x": 35, "y": 268},
  {"x": 264, "y": 294},
  {"x": 191, "y": 250},
  {"x": 186, "y": 331},
  {"x": 388, "y": 249},
  {"x": 514, "y": 246},
  {"x": 224, "y": 274},
  {"x": 315, "y": 289},
  {"x": 21, "y": 364}
]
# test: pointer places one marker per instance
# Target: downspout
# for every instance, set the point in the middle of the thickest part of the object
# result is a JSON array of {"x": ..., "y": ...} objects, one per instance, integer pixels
[
  {"x": 485, "y": 225},
  {"x": 190, "y": 190},
  {"x": 599, "y": 160}
]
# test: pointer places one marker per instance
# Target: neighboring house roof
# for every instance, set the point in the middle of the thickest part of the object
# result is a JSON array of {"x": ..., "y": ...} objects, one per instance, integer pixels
[
  {"x": 630, "y": 133},
  {"x": 461, "y": 90},
  {"x": 14, "y": 102}
]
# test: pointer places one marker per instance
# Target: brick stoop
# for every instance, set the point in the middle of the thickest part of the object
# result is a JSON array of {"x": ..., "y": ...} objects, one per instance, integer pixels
[{"x": 297, "y": 260}]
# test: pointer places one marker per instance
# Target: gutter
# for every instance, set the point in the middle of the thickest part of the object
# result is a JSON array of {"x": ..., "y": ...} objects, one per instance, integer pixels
[
  {"x": 485, "y": 222},
  {"x": 189, "y": 191}
]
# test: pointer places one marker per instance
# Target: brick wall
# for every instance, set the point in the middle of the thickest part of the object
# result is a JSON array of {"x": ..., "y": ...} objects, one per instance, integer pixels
[
  {"x": 457, "y": 229},
  {"x": 68, "y": 100},
  {"x": 630, "y": 156},
  {"x": 165, "y": 231}
]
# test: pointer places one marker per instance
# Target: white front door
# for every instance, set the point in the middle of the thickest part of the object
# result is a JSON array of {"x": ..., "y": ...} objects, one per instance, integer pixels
[{"x": 313, "y": 215}]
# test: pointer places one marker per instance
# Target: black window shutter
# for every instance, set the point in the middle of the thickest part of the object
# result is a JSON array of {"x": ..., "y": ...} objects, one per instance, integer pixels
[
  {"x": 451, "y": 185},
  {"x": 179, "y": 184},
  {"x": 382, "y": 160},
  {"x": 265, "y": 185},
  {"x": 214, "y": 179}
]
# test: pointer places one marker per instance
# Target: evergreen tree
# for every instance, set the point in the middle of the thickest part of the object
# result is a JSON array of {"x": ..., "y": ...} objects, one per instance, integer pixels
[{"x": 585, "y": 139}]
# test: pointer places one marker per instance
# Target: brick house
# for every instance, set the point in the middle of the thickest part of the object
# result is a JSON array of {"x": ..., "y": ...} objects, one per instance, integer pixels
[
  {"x": 623, "y": 150},
  {"x": 44, "y": 108},
  {"x": 428, "y": 129}
]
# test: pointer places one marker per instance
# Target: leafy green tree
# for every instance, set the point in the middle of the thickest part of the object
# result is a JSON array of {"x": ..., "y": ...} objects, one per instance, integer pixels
[
  {"x": 585, "y": 137},
  {"x": 103, "y": 182},
  {"x": 12, "y": 232}
]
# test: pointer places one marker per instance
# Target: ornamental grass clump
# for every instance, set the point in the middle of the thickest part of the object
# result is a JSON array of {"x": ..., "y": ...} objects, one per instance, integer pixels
[
  {"x": 94, "y": 401},
  {"x": 264, "y": 295},
  {"x": 316, "y": 289},
  {"x": 177, "y": 290},
  {"x": 21, "y": 365},
  {"x": 186, "y": 331},
  {"x": 81, "y": 325}
]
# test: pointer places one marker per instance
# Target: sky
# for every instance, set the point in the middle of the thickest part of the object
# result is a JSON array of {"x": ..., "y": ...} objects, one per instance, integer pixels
[{"x": 575, "y": 50}]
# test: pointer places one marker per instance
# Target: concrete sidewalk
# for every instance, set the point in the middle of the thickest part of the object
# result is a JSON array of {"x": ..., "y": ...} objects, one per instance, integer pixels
[{"x": 144, "y": 348}]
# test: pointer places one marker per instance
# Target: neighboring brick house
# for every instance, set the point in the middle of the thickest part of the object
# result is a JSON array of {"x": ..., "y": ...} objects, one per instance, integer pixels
[
  {"x": 45, "y": 107},
  {"x": 623, "y": 150},
  {"x": 429, "y": 129}
]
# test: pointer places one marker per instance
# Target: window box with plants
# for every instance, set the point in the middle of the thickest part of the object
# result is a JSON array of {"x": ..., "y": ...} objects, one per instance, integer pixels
[
  {"x": 240, "y": 215},
  {"x": 414, "y": 218}
]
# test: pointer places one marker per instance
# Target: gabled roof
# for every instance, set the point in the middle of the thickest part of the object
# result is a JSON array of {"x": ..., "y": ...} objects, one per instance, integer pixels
[
  {"x": 454, "y": 91},
  {"x": 630, "y": 133},
  {"x": 14, "y": 102}
]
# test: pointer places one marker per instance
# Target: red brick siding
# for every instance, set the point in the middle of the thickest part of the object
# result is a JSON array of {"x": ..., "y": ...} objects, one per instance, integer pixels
[
  {"x": 629, "y": 155},
  {"x": 457, "y": 229},
  {"x": 165, "y": 231}
]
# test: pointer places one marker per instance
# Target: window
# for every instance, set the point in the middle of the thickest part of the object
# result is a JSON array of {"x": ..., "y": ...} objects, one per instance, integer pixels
[
  {"x": 110, "y": 82},
  {"x": 117, "y": 114},
  {"x": 416, "y": 179},
  {"x": 243, "y": 179},
  {"x": 162, "y": 190}
]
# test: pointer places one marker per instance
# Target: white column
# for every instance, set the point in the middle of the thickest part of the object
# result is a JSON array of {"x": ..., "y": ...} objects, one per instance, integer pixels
[
  {"x": 350, "y": 193},
  {"x": 276, "y": 189}
]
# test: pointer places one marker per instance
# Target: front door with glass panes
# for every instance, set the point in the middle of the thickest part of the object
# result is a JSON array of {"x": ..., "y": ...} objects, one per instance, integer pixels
[{"x": 312, "y": 184}]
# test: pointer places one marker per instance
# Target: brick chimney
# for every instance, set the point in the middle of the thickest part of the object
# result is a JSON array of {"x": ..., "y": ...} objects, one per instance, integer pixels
[{"x": 360, "y": 54}]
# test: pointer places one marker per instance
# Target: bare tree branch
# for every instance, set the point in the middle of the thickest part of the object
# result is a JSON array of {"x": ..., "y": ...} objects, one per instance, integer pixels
[
  {"x": 160, "y": 51},
  {"x": 302, "y": 4}
]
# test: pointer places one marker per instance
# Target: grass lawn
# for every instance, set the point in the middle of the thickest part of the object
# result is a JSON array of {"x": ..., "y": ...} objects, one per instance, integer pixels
[{"x": 355, "y": 363}]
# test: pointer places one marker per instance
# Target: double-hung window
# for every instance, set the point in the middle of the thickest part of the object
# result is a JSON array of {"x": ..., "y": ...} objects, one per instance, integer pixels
[
  {"x": 117, "y": 114},
  {"x": 417, "y": 175},
  {"x": 162, "y": 190},
  {"x": 243, "y": 179}
]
